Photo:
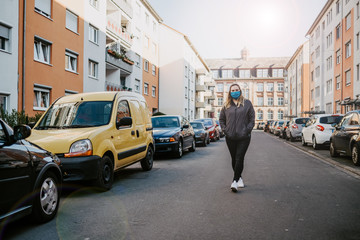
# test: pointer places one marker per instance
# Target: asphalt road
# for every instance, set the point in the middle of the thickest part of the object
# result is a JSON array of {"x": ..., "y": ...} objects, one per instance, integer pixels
[{"x": 288, "y": 194}]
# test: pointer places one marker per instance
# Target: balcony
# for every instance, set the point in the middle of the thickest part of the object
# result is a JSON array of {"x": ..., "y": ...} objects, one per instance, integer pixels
[
  {"x": 120, "y": 32},
  {"x": 122, "y": 63},
  {"x": 125, "y": 6},
  {"x": 200, "y": 88},
  {"x": 200, "y": 105},
  {"x": 210, "y": 84}
]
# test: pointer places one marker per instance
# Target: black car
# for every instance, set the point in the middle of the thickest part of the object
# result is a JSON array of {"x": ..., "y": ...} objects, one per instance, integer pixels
[
  {"x": 173, "y": 134},
  {"x": 201, "y": 133},
  {"x": 267, "y": 125},
  {"x": 211, "y": 126},
  {"x": 346, "y": 137},
  {"x": 30, "y": 177}
]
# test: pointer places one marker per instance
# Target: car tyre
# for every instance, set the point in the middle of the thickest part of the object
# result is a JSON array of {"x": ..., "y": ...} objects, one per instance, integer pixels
[
  {"x": 105, "y": 177},
  {"x": 303, "y": 141},
  {"x": 315, "y": 145},
  {"x": 208, "y": 140},
  {"x": 47, "y": 198},
  {"x": 292, "y": 139},
  {"x": 179, "y": 151},
  {"x": 193, "y": 146},
  {"x": 148, "y": 161},
  {"x": 204, "y": 143},
  {"x": 333, "y": 152},
  {"x": 355, "y": 155}
]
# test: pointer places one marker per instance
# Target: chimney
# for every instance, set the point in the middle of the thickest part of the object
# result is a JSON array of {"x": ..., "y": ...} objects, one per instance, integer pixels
[{"x": 244, "y": 54}]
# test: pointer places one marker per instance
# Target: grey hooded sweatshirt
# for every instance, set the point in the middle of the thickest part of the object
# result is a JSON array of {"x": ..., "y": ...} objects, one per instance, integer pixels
[{"x": 237, "y": 122}]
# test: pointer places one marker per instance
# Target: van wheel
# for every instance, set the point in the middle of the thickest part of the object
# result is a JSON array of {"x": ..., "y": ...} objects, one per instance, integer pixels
[
  {"x": 47, "y": 198},
  {"x": 355, "y": 155},
  {"x": 105, "y": 177},
  {"x": 179, "y": 151},
  {"x": 148, "y": 160},
  {"x": 193, "y": 146}
]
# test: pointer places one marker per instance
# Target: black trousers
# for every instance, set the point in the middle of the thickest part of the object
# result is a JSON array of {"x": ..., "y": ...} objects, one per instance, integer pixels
[{"x": 238, "y": 150}]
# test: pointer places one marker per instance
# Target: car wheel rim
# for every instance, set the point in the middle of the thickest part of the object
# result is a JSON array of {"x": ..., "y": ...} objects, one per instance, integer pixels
[
  {"x": 106, "y": 173},
  {"x": 314, "y": 142},
  {"x": 48, "y": 196},
  {"x": 180, "y": 149},
  {"x": 354, "y": 154},
  {"x": 149, "y": 157}
]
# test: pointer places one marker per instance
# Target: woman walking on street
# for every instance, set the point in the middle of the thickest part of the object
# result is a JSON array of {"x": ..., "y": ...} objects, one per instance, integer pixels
[{"x": 237, "y": 118}]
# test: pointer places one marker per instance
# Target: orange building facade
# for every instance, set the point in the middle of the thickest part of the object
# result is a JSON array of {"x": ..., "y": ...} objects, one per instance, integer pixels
[{"x": 151, "y": 85}]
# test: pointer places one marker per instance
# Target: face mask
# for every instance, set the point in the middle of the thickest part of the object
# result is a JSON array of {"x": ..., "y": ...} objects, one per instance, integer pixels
[{"x": 235, "y": 95}]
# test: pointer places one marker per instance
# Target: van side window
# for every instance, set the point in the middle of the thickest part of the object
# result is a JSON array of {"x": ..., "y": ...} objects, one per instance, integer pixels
[{"x": 123, "y": 110}]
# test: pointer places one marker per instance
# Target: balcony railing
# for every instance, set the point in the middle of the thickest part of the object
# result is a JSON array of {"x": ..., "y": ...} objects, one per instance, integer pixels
[
  {"x": 125, "y": 6},
  {"x": 118, "y": 30},
  {"x": 200, "y": 105},
  {"x": 200, "y": 88},
  {"x": 118, "y": 62}
]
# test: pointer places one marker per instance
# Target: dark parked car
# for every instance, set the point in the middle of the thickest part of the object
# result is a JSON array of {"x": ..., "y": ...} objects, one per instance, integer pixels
[
  {"x": 30, "y": 177},
  {"x": 283, "y": 129},
  {"x": 267, "y": 125},
  {"x": 173, "y": 134},
  {"x": 201, "y": 133},
  {"x": 346, "y": 137},
  {"x": 277, "y": 127},
  {"x": 222, "y": 134},
  {"x": 212, "y": 126}
]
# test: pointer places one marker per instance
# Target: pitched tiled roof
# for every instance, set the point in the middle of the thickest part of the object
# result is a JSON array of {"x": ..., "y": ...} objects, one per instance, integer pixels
[{"x": 232, "y": 63}]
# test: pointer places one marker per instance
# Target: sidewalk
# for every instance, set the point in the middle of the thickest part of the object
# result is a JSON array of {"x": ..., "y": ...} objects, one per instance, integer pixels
[{"x": 342, "y": 162}]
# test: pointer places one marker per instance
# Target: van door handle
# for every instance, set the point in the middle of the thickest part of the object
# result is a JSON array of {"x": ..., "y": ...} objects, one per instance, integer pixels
[
  {"x": 132, "y": 132},
  {"x": 137, "y": 133}
]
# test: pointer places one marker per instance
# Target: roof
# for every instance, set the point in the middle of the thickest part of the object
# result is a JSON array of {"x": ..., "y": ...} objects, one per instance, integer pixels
[
  {"x": 152, "y": 10},
  {"x": 318, "y": 18},
  {"x": 264, "y": 62},
  {"x": 97, "y": 96}
]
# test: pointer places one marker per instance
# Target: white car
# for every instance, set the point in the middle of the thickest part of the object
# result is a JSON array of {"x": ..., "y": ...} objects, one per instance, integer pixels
[{"x": 319, "y": 128}]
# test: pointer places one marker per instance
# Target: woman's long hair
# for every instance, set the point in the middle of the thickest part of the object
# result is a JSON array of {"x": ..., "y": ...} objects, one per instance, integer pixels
[{"x": 229, "y": 98}]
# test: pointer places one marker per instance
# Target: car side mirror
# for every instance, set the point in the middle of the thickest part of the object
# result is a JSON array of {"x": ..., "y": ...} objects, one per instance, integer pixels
[
  {"x": 21, "y": 132},
  {"x": 337, "y": 127},
  {"x": 125, "y": 121},
  {"x": 185, "y": 126}
]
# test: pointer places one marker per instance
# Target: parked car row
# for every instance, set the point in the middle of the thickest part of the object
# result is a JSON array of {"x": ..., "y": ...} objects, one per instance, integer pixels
[{"x": 341, "y": 133}]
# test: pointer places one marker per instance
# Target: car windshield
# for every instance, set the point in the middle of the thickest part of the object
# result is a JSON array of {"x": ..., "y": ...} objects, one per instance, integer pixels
[
  {"x": 330, "y": 119},
  {"x": 165, "y": 122},
  {"x": 206, "y": 122},
  {"x": 197, "y": 125},
  {"x": 301, "y": 120},
  {"x": 76, "y": 115},
  {"x": 280, "y": 123}
]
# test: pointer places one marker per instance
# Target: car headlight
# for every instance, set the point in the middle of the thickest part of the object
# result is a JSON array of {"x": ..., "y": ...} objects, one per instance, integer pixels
[
  {"x": 80, "y": 148},
  {"x": 164, "y": 140},
  {"x": 56, "y": 160}
]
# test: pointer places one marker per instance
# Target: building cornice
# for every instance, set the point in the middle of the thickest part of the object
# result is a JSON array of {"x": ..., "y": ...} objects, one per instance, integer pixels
[
  {"x": 152, "y": 10},
  {"x": 318, "y": 18},
  {"x": 294, "y": 56}
]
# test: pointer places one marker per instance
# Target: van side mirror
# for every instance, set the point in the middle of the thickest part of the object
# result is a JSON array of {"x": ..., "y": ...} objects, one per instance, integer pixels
[
  {"x": 125, "y": 121},
  {"x": 21, "y": 132}
]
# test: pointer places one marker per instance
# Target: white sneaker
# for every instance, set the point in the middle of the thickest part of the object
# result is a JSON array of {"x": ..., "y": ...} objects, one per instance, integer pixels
[
  {"x": 234, "y": 186},
  {"x": 240, "y": 183}
]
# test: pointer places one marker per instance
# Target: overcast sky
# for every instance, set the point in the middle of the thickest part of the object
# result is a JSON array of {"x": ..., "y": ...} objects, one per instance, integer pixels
[{"x": 220, "y": 29}]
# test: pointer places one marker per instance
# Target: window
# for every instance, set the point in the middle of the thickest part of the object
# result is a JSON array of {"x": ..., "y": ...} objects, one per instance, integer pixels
[
  {"x": 270, "y": 101},
  {"x": 42, "y": 50},
  {"x": 329, "y": 86},
  {"x": 338, "y": 58},
  {"x": 270, "y": 87},
  {"x": 247, "y": 73},
  {"x": 146, "y": 88},
  {"x": 186, "y": 71},
  {"x": 317, "y": 72},
  {"x": 338, "y": 107},
  {"x": 153, "y": 91},
  {"x": 317, "y": 32},
  {"x": 4, "y": 102},
  {"x": 123, "y": 110},
  {"x": 317, "y": 91},
  {"x": 270, "y": 114},
  {"x": 227, "y": 73},
  {"x": 259, "y": 115},
  {"x": 357, "y": 11},
  {"x": 280, "y": 101},
  {"x": 43, "y": 7},
  {"x": 338, "y": 7},
  {"x": 260, "y": 101},
  {"x": 186, "y": 92},
  {"x": 312, "y": 76},
  {"x": 348, "y": 49},
  {"x": 246, "y": 94},
  {"x": 348, "y": 77},
  {"x": 357, "y": 73},
  {"x": 274, "y": 73},
  {"x": 153, "y": 70},
  {"x": 280, "y": 114},
  {"x": 348, "y": 21},
  {"x": 312, "y": 94},
  {"x": 338, "y": 82},
  {"x": 137, "y": 60},
  {"x": 137, "y": 85},
  {"x": 329, "y": 40},
  {"x": 280, "y": 87},
  {"x": 71, "y": 61},
  {"x": 41, "y": 98},
  {"x": 281, "y": 72},
  {"x": 215, "y": 73},
  {"x": 146, "y": 65},
  {"x": 93, "y": 34},
  {"x": 357, "y": 41},
  {"x": 317, "y": 52},
  {"x": 147, "y": 19},
  {"x": 94, "y": 3},
  {"x": 329, "y": 63},
  {"x": 338, "y": 31},
  {"x": 4, "y": 37},
  {"x": 220, "y": 101},
  {"x": 93, "y": 69},
  {"x": 220, "y": 87},
  {"x": 71, "y": 21},
  {"x": 260, "y": 87},
  {"x": 261, "y": 73}
]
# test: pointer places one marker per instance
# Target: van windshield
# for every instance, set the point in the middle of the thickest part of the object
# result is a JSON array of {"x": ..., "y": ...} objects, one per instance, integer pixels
[{"x": 77, "y": 115}]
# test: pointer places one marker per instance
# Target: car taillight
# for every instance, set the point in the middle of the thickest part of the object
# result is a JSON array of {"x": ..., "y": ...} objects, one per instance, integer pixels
[
  {"x": 319, "y": 128},
  {"x": 278, "y": 127},
  {"x": 285, "y": 127},
  {"x": 295, "y": 126}
]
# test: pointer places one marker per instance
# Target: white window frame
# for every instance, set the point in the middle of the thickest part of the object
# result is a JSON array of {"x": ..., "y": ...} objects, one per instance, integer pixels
[
  {"x": 348, "y": 49},
  {"x": 329, "y": 86},
  {"x": 93, "y": 34},
  {"x": 348, "y": 77},
  {"x": 43, "y": 7},
  {"x": 280, "y": 87},
  {"x": 270, "y": 114},
  {"x": 260, "y": 101},
  {"x": 146, "y": 65},
  {"x": 260, "y": 87},
  {"x": 338, "y": 82},
  {"x": 153, "y": 91},
  {"x": 70, "y": 16},
  {"x": 38, "y": 94},
  {"x": 348, "y": 21},
  {"x": 146, "y": 88},
  {"x": 270, "y": 87},
  {"x": 5, "y": 34},
  {"x": 280, "y": 101},
  {"x": 137, "y": 60},
  {"x": 72, "y": 57},
  {"x": 137, "y": 85},
  {"x": 280, "y": 114},
  {"x": 4, "y": 101},
  {"x": 338, "y": 57},
  {"x": 93, "y": 69},
  {"x": 259, "y": 114},
  {"x": 153, "y": 68},
  {"x": 270, "y": 101},
  {"x": 42, "y": 50}
]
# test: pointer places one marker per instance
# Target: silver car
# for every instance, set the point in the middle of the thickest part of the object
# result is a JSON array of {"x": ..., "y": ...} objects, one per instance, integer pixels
[{"x": 296, "y": 125}]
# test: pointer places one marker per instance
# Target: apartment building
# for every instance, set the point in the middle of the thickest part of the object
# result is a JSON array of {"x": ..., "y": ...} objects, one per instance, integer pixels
[
  {"x": 179, "y": 61},
  {"x": 261, "y": 81},
  {"x": 9, "y": 22},
  {"x": 297, "y": 84},
  {"x": 204, "y": 92},
  {"x": 334, "y": 60},
  {"x": 50, "y": 64}
]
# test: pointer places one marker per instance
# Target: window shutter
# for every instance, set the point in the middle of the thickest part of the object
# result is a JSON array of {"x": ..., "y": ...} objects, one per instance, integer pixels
[
  {"x": 71, "y": 21},
  {"x": 44, "y": 6},
  {"x": 4, "y": 32}
]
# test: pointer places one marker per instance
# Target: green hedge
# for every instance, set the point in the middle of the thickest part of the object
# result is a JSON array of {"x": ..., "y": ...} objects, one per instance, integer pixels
[{"x": 14, "y": 117}]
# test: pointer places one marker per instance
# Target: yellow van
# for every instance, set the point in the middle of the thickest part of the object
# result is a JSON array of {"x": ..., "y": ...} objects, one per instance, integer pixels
[{"x": 95, "y": 134}]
